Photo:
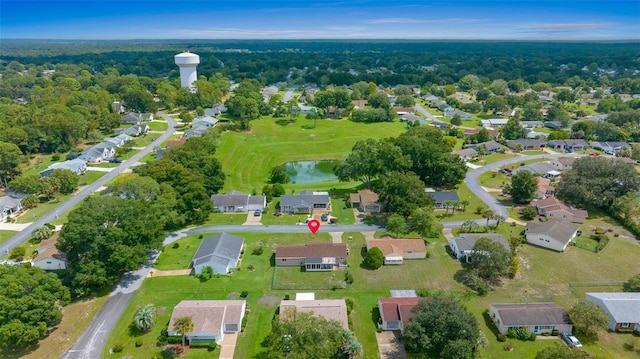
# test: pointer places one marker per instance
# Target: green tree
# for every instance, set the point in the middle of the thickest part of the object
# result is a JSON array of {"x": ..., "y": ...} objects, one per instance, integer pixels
[
  {"x": 489, "y": 259},
  {"x": 499, "y": 87},
  {"x": 379, "y": 100},
  {"x": 183, "y": 326},
  {"x": 139, "y": 99},
  {"x": 469, "y": 226},
  {"x": 368, "y": 159},
  {"x": 9, "y": 162},
  {"x": 529, "y": 212},
  {"x": 499, "y": 219},
  {"x": 425, "y": 223},
  {"x": 523, "y": 187},
  {"x": 488, "y": 214},
  {"x": 560, "y": 351},
  {"x": 31, "y": 302},
  {"x": 405, "y": 101},
  {"x": 441, "y": 324},
  {"x": 67, "y": 180},
  {"x": 41, "y": 233},
  {"x": 278, "y": 174},
  {"x": 402, "y": 192},
  {"x": 28, "y": 184},
  {"x": 633, "y": 284},
  {"x": 587, "y": 317},
  {"x": 397, "y": 224},
  {"x": 456, "y": 120},
  {"x": 145, "y": 317},
  {"x": 512, "y": 129},
  {"x": 374, "y": 258}
]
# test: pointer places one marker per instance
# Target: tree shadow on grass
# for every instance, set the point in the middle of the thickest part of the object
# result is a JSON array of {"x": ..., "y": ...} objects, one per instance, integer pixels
[
  {"x": 375, "y": 315},
  {"x": 489, "y": 323},
  {"x": 283, "y": 122},
  {"x": 134, "y": 332}
]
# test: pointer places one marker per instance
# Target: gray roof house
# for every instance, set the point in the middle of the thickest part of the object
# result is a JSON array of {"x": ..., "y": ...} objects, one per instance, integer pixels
[
  {"x": 568, "y": 145},
  {"x": 623, "y": 309},
  {"x": 494, "y": 122},
  {"x": 536, "y": 317},
  {"x": 135, "y": 118},
  {"x": 235, "y": 201},
  {"x": 77, "y": 166},
  {"x": 215, "y": 110},
  {"x": 463, "y": 115},
  {"x": 8, "y": 206},
  {"x": 531, "y": 124},
  {"x": 220, "y": 252},
  {"x": 462, "y": 246},
  {"x": 204, "y": 121},
  {"x": 526, "y": 144},
  {"x": 466, "y": 153},
  {"x": 489, "y": 147},
  {"x": 211, "y": 318},
  {"x": 441, "y": 197},
  {"x": 135, "y": 130},
  {"x": 98, "y": 153},
  {"x": 552, "y": 234},
  {"x": 305, "y": 202},
  {"x": 540, "y": 168},
  {"x": 610, "y": 147}
]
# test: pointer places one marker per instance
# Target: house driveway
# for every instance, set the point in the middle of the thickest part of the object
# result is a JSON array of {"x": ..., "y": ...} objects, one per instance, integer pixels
[
  {"x": 389, "y": 346},
  {"x": 228, "y": 346},
  {"x": 252, "y": 220},
  {"x": 336, "y": 237},
  {"x": 167, "y": 273}
]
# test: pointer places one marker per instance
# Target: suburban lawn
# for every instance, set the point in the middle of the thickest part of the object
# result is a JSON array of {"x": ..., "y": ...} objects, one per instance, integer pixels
[
  {"x": 225, "y": 218},
  {"x": 179, "y": 258},
  {"x": 43, "y": 208},
  {"x": 342, "y": 211},
  {"x": 158, "y": 125},
  {"x": 492, "y": 158},
  {"x": 271, "y": 142},
  {"x": 493, "y": 179},
  {"x": 4, "y": 235}
]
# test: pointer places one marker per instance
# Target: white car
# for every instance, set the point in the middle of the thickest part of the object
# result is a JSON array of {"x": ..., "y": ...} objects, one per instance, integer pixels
[{"x": 571, "y": 340}]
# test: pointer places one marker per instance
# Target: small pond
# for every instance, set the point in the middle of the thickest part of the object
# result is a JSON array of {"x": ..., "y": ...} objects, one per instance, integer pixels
[{"x": 310, "y": 171}]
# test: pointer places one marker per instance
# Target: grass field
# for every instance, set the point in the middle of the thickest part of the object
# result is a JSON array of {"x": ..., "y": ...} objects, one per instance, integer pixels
[
  {"x": 225, "y": 218},
  {"x": 493, "y": 158},
  {"x": 158, "y": 126},
  {"x": 4, "y": 235},
  {"x": 247, "y": 157}
]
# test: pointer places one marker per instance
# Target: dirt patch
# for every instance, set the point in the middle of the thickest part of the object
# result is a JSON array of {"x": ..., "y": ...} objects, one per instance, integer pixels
[
  {"x": 233, "y": 295},
  {"x": 161, "y": 310},
  {"x": 269, "y": 300}
]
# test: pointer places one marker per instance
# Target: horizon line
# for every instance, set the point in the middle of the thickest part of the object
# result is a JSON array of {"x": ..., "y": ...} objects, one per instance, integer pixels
[{"x": 632, "y": 39}]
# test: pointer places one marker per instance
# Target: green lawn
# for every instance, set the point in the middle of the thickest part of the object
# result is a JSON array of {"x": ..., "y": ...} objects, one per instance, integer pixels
[
  {"x": 89, "y": 177},
  {"x": 179, "y": 258},
  {"x": 342, "y": 211},
  {"x": 469, "y": 213},
  {"x": 39, "y": 162},
  {"x": 493, "y": 179},
  {"x": 493, "y": 158},
  {"x": 43, "y": 208},
  {"x": 4, "y": 235},
  {"x": 247, "y": 157},
  {"x": 158, "y": 126},
  {"x": 225, "y": 218}
]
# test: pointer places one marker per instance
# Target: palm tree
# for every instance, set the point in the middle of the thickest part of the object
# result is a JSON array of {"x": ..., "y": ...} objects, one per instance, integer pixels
[
  {"x": 488, "y": 214},
  {"x": 183, "y": 326},
  {"x": 464, "y": 204},
  {"x": 41, "y": 233},
  {"x": 145, "y": 317},
  {"x": 470, "y": 225},
  {"x": 499, "y": 219}
]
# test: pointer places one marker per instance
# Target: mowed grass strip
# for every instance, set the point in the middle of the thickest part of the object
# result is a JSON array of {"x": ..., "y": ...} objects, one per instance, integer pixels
[{"x": 247, "y": 157}]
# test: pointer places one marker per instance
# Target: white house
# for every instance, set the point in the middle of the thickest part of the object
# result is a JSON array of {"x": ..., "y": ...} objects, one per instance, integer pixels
[
  {"x": 8, "y": 206},
  {"x": 536, "y": 317},
  {"x": 552, "y": 234},
  {"x": 462, "y": 246},
  {"x": 49, "y": 257},
  {"x": 77, "y": 166},
  {"x": 220, "y": 252},
  {"x": 623, "y": 309},
  {"x": 211, "y": 318},
  {"x": 235, "y": 201}
]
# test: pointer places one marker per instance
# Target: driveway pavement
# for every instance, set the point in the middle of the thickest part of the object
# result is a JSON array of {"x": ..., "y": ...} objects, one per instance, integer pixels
[
  {"x": 389, "y": 346},
  {"x": 228, "y": 346}
]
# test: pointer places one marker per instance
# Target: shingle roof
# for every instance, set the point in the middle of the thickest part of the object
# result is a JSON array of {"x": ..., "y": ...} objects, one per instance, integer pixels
[
  {"x": 209, "y": 315},
  {"x": 441, "y": 197},
  {"x": 531, "y": 314},
  {"x": 312, "y": 249},
  {"x": 330, "y": 309},
  {"x": 305, "y": 198},
  {"x": 397, "y": 246},
  {"x": 466, "y": 241},
  {"x": 398, "y": 308},
  {"x": 623, "y": 307},
  {"x": 224, "y": 245},
  {"x": 562, "y": 231}
]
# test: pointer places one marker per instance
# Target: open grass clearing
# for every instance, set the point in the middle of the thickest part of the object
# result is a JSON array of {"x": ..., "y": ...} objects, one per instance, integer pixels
[
  {"x": 216, "y": 219},
  {"x": 158, "y": 126},
  {"x": 173, "y": 258},
  {"x": 42, "y": 208},
  {"x": 4, "y": 235},
  {"x": 342, "y": 211},
  {"x": 247, "y": 157},
  {"x": 494, "y": 179}
]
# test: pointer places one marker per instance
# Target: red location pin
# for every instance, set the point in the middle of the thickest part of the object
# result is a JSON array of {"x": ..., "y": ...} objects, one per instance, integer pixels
[{"x": 313, "y": 225}]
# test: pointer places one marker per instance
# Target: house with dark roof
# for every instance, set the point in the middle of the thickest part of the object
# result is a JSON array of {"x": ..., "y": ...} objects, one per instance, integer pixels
[
  {"x": 132, "y": 118},
  {"x": 535, "y": 317},
  {"x": 365, "y": 201},
  {"x": 396, "y": 250},
  {"x": 568, "y": 145},
  {"x": 396, "y": 312},
  {"x": 610, "y": 148},
  {"x": 313, "y": 256},
  {"x": 485, "y": 147},
  {"x": 554, "y": 208},
  {"x": 623, "y": 309},
  {"x": 466, "y": 154},
  {"x": 212, "y": 319},
  {"x": 215, "y": 110},
  {"x": 552, "y": 234},
  {"x": 463, "y": 115},
  {"x": 135, "y": 130},
  {"x": 329, "y": 309},
  {"x": 77, "y": 166},
  {"x": 526, "y": 144},
  {"x": 462, "y": 246},
  {"x": 235, "y": 201},
  {"x": 9, "y": 205},
  {"x": 98, "y": 153},
  {"x": 220, "y": 252},
  {"x": 305, "y": 202},
  {"x": 536, "y": 169},
  {"x": 440, "y": 197}
]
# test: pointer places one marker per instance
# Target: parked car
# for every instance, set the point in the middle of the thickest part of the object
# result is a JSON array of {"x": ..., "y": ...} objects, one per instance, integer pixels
[
  {"x": 571, "y": 340},
  {"x": 324, "y": 217},
  {"x": 115, "y": 160},
  {"x": 257, "y": 213}
]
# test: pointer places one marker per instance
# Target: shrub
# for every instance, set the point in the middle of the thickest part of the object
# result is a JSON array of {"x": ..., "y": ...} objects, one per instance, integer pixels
[
  {"x": 117, "y": 348},
  {"x": 287, "y": 296},
  {"x": 348, "y": 277},
  {"x": 175, "y": 245},
  {"x": 555, "y": 332},
  {"x": 532, "y": 337},
  {"x": 207, "y": 273},
  {"x": 428, "y": 254},
  {"x": 18, "y": 252},
  {"x": 374, "y": 258},
  {"x": 625, "y": 330},
  {"x": 514, "y": 265},
  {"x": 508, "y": 347},
  {"x": 174, "y": 340},
  {"x": 138, "y": 343},
  {"x": 257, "y": 251},
  {"x": 599, "y": 230},
  {"x": 55, "y": 157},
  {"x": 212, "y": 346},
  {"x": 479, "y": 209},
  {"x": 511, "y": 333},
  {"x": 244, "y": 294},
  {"x": 251, "y": 267},
  {"x": 502, "y": 338},
  {"x": 522, "y": 333},
  {"x": 206, "y": 344},
  {"x": 529, "y": 213},
  {"x": 349, "y": 302}
]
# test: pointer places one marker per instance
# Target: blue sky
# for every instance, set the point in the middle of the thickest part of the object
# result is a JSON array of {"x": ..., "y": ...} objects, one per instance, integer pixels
[{"x": 311, "y": 19}]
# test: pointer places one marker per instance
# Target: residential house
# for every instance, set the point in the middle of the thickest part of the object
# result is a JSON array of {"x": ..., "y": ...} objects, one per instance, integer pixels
[
  {"x": 212, "y": 319},
  {"x": 365, "y": 201},
  {"x": 76, "y": 166},
  {"x": 440, "y": 124},
  {"x": 485, "y": 147},
  {"x": 235, "y": 201},
  {"x": 49, "y": 257},
  {"x": 610, "y": 148},
  {"x": 526, "y": 144},
  {"x": 305, "y": 202},
  {"x": 554, "y": 125},
  {"x": 359, "y": 104},
  {"x": 535, "y": 135},
  {"x": 563, "y": 163},
  {"x": 220, "y": 252},
  {"x": 536, "y": 317},
  {"x": 544, "y": 188},
  {"x": 329, "y": 309},
  {"x": 215, "y": 110},
  {"x": 117, "y": 107},
  {"x": 440, "y": 197},
  {"x": 98, "y": 153},
  {"x": 536, "y": 169},
  {"x": 132, "y": 118},
  {"x": 401, "y": 111},
  {"x": 554, "y": 208},
  {"x": 9, "y": 205},
  {"x": 135, "y": 130},
  {"x": 494, "y": 122},
  {"x": 463, "y": 115},
  {"x": 306, "y": 110},
  {"x": 531, "y": 124},
  {"x": 313, "y": 256},
  {"x": 395, "y": 251},
  {"x": 623, "y": 309},
  {"x": 472, "y": 131},
  {"x": 409, "y": 117},
  {"x": 396, "y": 312},
  {"x": 196, "y": 132},
  {"x": 204, "y": 121},
  {"x": 568, "y": 145},
  {"x": 466, "y": 154},
  {"x": 552, "y": 234},
  {"x": 462, "y": 246}
]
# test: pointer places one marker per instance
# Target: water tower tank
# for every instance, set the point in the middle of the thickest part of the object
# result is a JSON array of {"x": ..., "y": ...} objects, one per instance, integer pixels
[{"x": 187, "y": 63}]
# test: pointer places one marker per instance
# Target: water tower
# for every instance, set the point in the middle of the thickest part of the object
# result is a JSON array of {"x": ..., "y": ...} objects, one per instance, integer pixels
[{"x": 188, "y": 74}]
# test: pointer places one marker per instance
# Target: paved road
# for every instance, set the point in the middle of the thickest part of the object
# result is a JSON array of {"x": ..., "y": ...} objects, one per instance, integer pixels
[
  {"x": 472, "y": 179},
  {"x": 25, "y": 234},
  {"x": 423, "y": 111},
  {"x": 288, "y": 95},
  {"x": 94, "y": 337}
]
